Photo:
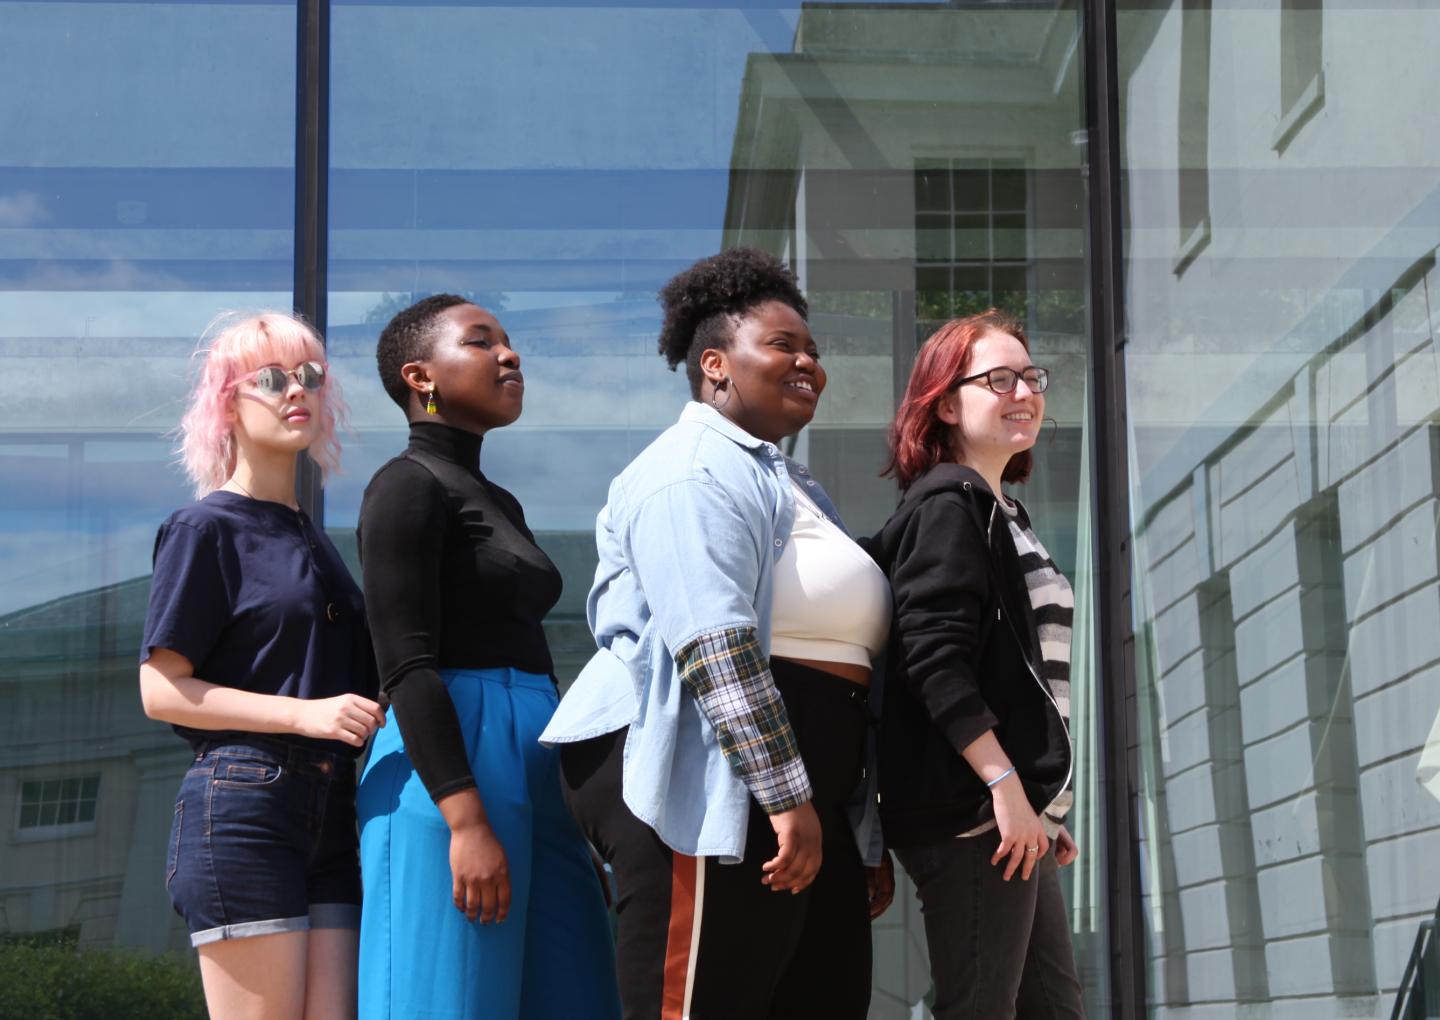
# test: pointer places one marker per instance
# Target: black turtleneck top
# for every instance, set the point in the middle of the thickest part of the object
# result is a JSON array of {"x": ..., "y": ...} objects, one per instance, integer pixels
[{"x": 453, "y": 579}]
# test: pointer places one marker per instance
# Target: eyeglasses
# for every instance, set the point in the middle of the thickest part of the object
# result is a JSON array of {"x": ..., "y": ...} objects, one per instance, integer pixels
[
  {"x": 1003, "y": 380},
  {"x": 272, "y": 380}
]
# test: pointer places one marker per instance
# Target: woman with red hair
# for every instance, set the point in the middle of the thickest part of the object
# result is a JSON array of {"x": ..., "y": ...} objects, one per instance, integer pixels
[{"x": 975, "y": 757}]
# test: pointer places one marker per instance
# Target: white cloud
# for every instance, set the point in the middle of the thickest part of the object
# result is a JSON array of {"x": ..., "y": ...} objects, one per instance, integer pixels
[{"x": 22, "y": 209}]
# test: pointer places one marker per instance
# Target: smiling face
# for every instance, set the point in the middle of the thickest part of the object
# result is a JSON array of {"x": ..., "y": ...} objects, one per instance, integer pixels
[
  {"x": 287, "y": 422},
  {"x": 989, "y": 427},
  {"x": 774, "y": 372},
  {"x": 474, "y": 374}
]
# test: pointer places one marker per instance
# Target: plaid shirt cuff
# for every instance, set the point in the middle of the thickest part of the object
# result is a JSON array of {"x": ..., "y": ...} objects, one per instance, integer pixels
[{"x": 730, "y": 678}]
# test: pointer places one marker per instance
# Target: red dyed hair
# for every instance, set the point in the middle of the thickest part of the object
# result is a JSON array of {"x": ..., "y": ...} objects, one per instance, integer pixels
[{"x": 918, "y": 438}]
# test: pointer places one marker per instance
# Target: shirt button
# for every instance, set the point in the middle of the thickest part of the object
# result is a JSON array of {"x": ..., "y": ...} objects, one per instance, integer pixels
[
  {"x": 778, "y": 543},
  {"x": 810, "y": 481},
  {"x": 331, "y": 613}
]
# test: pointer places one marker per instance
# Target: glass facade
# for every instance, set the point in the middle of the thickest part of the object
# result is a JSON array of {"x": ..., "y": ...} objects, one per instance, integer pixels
[
  {"x": 146, "y": 183},
  {"x": 558, "y": 161},
  {"x": 1283, "y": 390}
]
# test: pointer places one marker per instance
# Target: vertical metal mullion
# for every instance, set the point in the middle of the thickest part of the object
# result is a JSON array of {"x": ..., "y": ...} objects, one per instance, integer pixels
[
  {"x": 312, "y": 168},
  {"x": 1110, "y": 496}
]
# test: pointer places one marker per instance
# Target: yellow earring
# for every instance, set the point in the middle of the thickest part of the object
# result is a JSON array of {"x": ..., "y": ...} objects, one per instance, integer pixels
[{"x": 430, "y": 403}]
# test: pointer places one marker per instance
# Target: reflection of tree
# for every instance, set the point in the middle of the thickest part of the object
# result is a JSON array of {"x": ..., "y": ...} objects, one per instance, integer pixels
[
  {"x": 868, "y": 304},
  {"x": 390, "y": 304},
  {"x": 1057, "y": 311}
]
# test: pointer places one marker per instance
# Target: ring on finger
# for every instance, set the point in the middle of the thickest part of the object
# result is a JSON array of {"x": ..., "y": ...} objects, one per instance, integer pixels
[{"x": 1032, "y": 849}]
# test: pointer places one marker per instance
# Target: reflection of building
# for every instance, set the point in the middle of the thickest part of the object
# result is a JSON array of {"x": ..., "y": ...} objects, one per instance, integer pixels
[
  {"x": 929, "y": 153},
  {"x": 1292, "y": 592},
  {"x": 917, "y": 164},
  {"x": 86, "y": 781},
  {"x": 1285, "y": 487},
  {"x": 1278, "y": 223}
]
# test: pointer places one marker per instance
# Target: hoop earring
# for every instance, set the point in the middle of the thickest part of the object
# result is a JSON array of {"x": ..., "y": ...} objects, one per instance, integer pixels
[
  {"x": 430, "y": 402},
  {"x": 725, "y": 385}
]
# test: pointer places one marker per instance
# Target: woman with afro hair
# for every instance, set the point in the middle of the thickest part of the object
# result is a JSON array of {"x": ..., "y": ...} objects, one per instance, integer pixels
[{"x": 713, "y": 749}]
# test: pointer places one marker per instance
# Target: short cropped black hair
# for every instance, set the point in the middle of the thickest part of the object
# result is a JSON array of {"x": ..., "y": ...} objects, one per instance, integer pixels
[
  {"x": 409, "y": 337},
  {"x": 702, "y": 303}
]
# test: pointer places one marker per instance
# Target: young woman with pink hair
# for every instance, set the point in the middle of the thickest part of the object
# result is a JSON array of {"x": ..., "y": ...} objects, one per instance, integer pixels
[{"x": 256, "y": 650}]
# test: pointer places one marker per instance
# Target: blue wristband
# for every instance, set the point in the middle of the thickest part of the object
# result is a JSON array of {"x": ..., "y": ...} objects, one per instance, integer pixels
[{"x": 1001, "y": 776}]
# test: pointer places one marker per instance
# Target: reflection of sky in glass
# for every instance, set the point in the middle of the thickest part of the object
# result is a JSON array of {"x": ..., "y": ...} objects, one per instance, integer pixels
[
  {"x": 146, "y": 184},
  {"x": 555, "y": 163}
]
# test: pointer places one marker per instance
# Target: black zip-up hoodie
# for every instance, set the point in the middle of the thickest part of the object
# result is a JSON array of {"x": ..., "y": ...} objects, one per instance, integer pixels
[{"x": 963, "y": 658}]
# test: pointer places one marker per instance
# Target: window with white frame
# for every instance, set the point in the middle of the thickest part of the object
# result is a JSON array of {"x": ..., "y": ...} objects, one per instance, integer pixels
[{"x": 57, "y": 803}]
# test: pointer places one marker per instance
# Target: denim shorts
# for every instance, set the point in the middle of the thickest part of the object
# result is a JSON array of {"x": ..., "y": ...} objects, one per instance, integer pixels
[{"x": 264, "y": 841}]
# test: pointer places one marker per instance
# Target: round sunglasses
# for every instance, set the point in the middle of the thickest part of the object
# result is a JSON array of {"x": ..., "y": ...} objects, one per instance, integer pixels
[{"x": 272, "y": 380}]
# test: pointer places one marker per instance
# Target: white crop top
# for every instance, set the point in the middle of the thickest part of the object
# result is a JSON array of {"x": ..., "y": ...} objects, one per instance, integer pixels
[{"x": 832, "y": 603}]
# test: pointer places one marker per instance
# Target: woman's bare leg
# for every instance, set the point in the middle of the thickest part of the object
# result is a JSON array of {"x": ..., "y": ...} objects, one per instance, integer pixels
[
  {"x": 330, "y": 979},
  {"x": 256, "y": 978}
]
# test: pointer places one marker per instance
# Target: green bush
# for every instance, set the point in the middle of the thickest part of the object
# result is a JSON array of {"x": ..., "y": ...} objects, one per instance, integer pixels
[{"x": 56, "y": 981}]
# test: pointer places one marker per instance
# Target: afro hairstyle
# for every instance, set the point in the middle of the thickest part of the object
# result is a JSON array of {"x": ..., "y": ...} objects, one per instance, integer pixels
[{"x": 703, "y": 303}]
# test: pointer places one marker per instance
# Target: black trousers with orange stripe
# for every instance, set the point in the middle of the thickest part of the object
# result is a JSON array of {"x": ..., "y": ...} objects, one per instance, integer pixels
[{"x": 708, "y": 941}]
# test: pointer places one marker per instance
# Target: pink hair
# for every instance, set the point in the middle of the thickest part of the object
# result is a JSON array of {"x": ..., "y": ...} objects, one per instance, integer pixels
[{"x": 239, "y": 343}]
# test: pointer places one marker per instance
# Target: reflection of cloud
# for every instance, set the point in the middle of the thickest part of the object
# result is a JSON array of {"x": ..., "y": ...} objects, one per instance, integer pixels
[
  {"x": 118, "y": 274},
  {"x": 22, "y": 209}
]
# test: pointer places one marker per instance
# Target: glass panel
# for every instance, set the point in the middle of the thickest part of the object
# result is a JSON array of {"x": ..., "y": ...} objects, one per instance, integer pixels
[
  {"x": 972, "y": 184},
  {"x": 932, "y": 185},
  {"x": 972, "y": 238},
  {"x": 1282, "y": 369},
  {"x": 560, "y": 163},
  {"x": 933, "y": 237},
  {"x": 146, "y": 184}
]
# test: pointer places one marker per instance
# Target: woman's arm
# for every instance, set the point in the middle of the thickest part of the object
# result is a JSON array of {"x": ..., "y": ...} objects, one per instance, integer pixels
[
  {"x": 170, "y": 692},
  {"x": 941, "y": 585},
  {"x": 402, "y": 536},
  {"x": 698, "y": 558}
]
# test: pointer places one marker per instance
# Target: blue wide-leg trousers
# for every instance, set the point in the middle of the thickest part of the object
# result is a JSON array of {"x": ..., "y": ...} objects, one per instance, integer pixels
[{"x": 420, "y": 957}]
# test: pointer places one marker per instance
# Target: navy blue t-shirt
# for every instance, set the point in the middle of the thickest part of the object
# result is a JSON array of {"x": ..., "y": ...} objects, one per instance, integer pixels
[{"x": 257, "y": 598}]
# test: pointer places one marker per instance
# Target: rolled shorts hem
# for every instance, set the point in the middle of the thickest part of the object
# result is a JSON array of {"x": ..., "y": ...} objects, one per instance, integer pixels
[
  {"x": 249, "y": 929},
  {"x": 322, "y": 915},
  {"x": 335, "y": 915}
]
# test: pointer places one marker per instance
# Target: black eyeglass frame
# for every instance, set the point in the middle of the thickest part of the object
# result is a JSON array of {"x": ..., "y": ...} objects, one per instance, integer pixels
[{"x": 1038, "y": 381}]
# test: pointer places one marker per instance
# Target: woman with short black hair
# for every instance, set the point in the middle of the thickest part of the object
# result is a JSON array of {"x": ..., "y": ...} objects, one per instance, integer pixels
[{"x": 481, "y": 899}]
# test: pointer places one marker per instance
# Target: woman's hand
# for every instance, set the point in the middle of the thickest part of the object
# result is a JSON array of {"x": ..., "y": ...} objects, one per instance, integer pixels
[
  {"x": 479, "y": 873},
  {"x": 798, "y": 862},
  {"x": 880, "y": 885},
  {"x": 1066, "y": 851},
  {"x": 346, "y": 717},
  {"x": 1022, "y": 837}
]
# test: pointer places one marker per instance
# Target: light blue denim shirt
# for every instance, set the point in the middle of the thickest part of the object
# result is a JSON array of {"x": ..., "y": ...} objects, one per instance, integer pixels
[{"x": 688, "y": 542}]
